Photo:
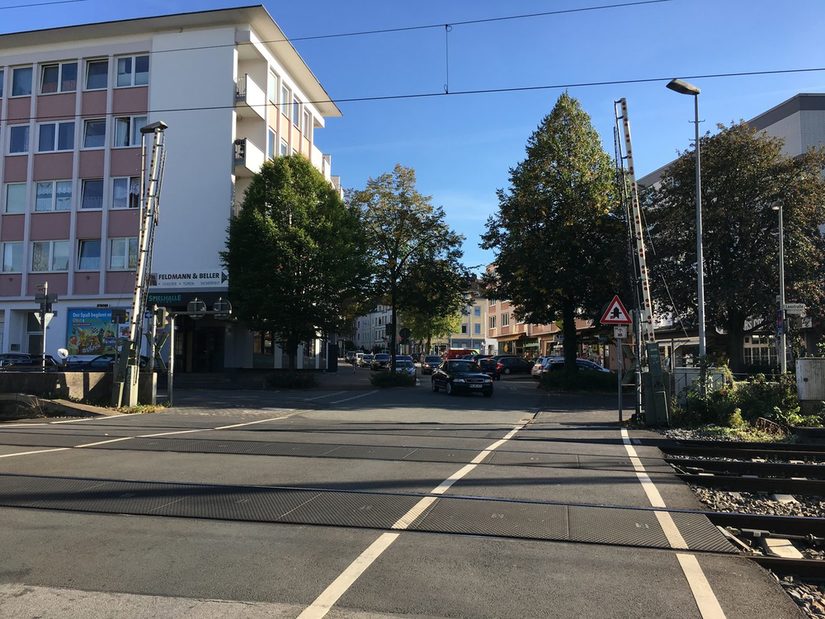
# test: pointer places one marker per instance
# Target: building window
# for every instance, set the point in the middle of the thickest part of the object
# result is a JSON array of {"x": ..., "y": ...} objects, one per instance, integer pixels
[
  {"x": 97, "y": 74},
  {"x": 272, "y": 88},
  {"x": 56, "y": 136},
  {"x": 286, "y": 98},
  {"x": 123, "y": 254},
  {"x": 88, "y": 255},
  {"x": 132, "y": 71},
  {"x": 53, "y": 196},
  {"x": 477, "y": 328},
  {"x": 18, "y": 139},
  {"x": 21, "y": 82},
  {"x": 92, "y": 194},
  {"x": 15, "y": 197},
  {"x": 127, "y": 130},
  {"x": 12, "y": 257},
  {"x": 307, "y": 127},
  {"x": 58, "y": 77},
  {"x": 476, "y": 311},
  {"x": 126, "y": 192},
  {"x": 270, "y": 144},
  {"x": 2, "y": 75},
  {"x": 463, "y": 328},
  {"x": 50, "y": 256},
  {"x": 492, "y": 322},
  {"x": 284, "y": 148},
  {"x": 505, "y": 320},
  {"x": 296, "y": 111},
  {"x": 94, "y": 133}
]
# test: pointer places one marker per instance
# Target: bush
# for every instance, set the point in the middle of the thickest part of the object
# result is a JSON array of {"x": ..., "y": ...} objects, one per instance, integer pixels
[
  {"x": 392, "y": 379},
  {"x": 291, "y": 380},
  {"x": 581, "y": 380}
]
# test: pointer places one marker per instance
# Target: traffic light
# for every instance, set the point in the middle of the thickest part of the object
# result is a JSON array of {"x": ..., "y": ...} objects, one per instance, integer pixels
[{"x": 162, "y": 317}]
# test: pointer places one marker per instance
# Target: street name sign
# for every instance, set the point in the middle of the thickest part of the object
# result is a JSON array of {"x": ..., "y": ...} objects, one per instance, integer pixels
[
  {"x": 616, "y": 313},
  {"x": 795, "y": 309}
]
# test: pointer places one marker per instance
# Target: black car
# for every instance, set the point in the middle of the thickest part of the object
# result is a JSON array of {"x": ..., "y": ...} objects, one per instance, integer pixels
[
  {"x": 490, "y": 367},
  {"x": 101, "y": 363},
  {"x": 429, "y": 363},
  {"x": 381, "y": 361},
  {"x": 23, "y": 362},
  {"x": 514, "y": 365},
  {"x": 460, "y": 375}
]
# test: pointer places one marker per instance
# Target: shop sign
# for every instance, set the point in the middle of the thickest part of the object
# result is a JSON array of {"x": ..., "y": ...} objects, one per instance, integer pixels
[
  {"x": 189, "y": 279},
  {"x": 90, "y": 331}
]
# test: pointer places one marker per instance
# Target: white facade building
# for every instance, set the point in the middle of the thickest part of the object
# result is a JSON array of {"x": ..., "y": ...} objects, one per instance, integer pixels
[{"x": 232, "y": 90}]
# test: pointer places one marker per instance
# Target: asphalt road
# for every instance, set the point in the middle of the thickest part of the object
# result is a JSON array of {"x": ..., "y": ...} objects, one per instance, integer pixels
[{"x": 398, "y": 502}]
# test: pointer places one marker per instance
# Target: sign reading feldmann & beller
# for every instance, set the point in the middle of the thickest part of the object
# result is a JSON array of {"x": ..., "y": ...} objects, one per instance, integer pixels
[{"x": 189, "y": 279}]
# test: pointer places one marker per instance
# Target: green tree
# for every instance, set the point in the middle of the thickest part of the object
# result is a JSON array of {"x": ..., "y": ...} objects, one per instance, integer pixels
[
  {"x": 293, "y": 254},
  {"x": 401, "y": 226},
  {"x": 560, "y": 247},
  {"x": 744, "y": 175}
]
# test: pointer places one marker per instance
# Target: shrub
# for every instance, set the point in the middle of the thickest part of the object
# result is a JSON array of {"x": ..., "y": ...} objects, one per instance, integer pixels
[
  {"x": 392, "y": 379},
  {"x": 291, "y": 380},
  {"x": 581, "y": 380}
]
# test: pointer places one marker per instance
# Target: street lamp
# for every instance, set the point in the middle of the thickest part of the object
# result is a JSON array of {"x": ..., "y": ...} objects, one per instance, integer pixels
[
  {"x": 686, "y": 88},
  {"x": 783, "y": 342}
]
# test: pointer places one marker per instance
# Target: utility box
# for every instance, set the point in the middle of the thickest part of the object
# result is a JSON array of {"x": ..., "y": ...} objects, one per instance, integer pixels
[
  {"x": 656, "y": 396},
  {"x": 810, "y": 381}
]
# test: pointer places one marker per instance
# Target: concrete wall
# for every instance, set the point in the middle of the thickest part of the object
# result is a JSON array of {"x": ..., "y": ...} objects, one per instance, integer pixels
[{"x": 90, "y": 387}]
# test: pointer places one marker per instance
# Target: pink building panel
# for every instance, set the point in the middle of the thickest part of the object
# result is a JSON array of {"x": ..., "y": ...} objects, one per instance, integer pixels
[
  {"x": 94, "y": 103},
  {"x": 16, "y": 168},
  {"x": 91, "y": 164},
  {"x": 52, "y": 166},
  {"x": 58, "y": 283},
  {"x": 120, "y": 281},
  {"x": 130, "y": 100},
  {"x": 86, "y": 283},
  {"x": 125, "y": 162},
  {"x": 49, "y": 226},
  {"x": 11, "y": 227},
  {"x": 123, "y": 223},
  {"x": 89, "y": 225},
  {"x": 20, "y": 109},
  {"x": 10, "y": 284},
  {"x": 54, "y": 107}
]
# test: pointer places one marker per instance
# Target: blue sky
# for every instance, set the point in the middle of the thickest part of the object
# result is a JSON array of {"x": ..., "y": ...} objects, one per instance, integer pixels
[{"x": 462, "y": 146}]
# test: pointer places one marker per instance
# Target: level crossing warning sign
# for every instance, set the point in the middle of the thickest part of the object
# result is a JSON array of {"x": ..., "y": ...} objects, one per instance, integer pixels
[{"x": 616, "y": 314}]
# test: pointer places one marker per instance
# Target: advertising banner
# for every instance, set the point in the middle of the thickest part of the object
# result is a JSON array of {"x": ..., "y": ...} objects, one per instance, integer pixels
[{"x": 91, "y": 331}]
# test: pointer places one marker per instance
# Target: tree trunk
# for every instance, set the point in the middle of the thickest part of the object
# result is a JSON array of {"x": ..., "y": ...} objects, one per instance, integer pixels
[
  {"x": 569, "y": 332},
  {"x": 429, "y": 343},
  {"x": 734, "y": 343},
  {"x": 392, "y": 334},
  {"x": 292, "y": 354}
]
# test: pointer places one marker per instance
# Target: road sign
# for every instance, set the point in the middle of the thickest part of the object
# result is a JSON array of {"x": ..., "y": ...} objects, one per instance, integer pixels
[
  {"x": 616, "y": 314},
  {"x": 48, "y": 316},
  {"x": 795, "y": 309},
  {"x": 620, "y": 332}
]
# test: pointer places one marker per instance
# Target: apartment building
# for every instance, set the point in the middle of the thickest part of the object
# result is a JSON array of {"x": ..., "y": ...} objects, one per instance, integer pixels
[
  {"x": 472, "y": 332},
  {"x": 231, "y": 89},
  {"x": 371, "y": 329}
]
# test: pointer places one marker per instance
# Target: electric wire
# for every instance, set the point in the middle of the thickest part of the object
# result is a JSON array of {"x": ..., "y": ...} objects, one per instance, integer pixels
[{"x": 36, "y": 4}]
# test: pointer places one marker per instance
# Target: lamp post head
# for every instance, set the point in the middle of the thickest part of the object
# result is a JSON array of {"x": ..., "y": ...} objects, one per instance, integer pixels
[
  {"x": 683, "y": 87},
  {"x": 155, "y": 126}
]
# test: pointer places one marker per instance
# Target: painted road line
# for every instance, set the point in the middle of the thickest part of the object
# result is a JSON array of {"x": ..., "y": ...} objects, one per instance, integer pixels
[
  {"x": 39, "y": 451},
  {"x": 702, "y": 592},
  {"x": 252, "y": 423},
  {"x": 106, "y": 442},
  {"x": 171, "y": 433},
  {"x": 326, "y": 395},
  {"x": 324, "y": 602},
  {"x": 355, "y": 397}
]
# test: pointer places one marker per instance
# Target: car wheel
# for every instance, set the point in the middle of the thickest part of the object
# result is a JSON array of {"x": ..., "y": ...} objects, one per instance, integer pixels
[
  {"x": 449, "y": 389},
  {"x": 435, "y": 387}
]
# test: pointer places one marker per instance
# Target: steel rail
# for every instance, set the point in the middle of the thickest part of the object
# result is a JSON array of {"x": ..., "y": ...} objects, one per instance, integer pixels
[
  {"x": 743, "y": 467},
  {"x": 814, "y": 487}
]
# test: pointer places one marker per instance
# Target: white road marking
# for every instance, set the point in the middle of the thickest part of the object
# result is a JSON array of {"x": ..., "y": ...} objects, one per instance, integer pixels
[
  {"x": 111, "y": 440},
  {"x": 29, "y": 453},
  {"x": 252, "y": 423},
  {"x": 171, "y": 433},
  {"x": 324, "y": 602},
  {"x": 326, "y": 395},
  {"x": 355, "y": 397},
  {"x": 703, "y": 594}
]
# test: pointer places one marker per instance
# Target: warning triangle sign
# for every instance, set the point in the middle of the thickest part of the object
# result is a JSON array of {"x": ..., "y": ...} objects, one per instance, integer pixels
[{"x": 615, "y": 314}]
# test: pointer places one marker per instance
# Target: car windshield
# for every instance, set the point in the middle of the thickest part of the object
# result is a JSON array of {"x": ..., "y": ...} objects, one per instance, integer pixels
[
  {"x": 432, "y": 359},
  {"x": 403, "y": 364},
  {"x": 381, "y": 357},
  {"x": 462, "y": 366}
]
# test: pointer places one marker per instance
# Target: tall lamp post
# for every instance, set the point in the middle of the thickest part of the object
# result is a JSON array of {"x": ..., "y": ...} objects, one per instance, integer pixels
[
  {"x": 686, "y": 88},
  {"x": 783, "y": 338}
]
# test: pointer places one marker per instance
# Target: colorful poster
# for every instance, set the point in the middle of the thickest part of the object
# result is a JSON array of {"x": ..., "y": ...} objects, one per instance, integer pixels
[{"x": 92, "y": 332}]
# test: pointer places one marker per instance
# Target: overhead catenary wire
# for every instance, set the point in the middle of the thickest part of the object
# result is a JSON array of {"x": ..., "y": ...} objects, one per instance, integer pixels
[
  {"x": 452, "y": 93},
  {"x": 36, "y": 4}
]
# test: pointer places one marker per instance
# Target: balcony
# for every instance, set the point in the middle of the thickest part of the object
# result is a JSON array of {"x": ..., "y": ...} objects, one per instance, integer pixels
[
  {"x": 248, "y": 158},
  {"x": 249, "y": 98}
]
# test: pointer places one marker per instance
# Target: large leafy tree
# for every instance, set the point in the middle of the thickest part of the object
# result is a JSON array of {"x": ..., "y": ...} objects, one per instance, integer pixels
[
  {"x": 559, "y": 244},
  {"x": 293, "y": 254},
  {"x": 401, "y": 227},
  {"x": 744, "y": 176}
]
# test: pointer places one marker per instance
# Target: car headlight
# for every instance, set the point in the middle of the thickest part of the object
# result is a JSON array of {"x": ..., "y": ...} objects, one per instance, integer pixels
[
  {"x": 488, "y": 380},
  {"x": 459, "y": 380}
]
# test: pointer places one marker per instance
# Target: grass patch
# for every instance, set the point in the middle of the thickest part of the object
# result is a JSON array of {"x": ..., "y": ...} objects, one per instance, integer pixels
[
  {"x": 141, "y": 409},
  {"x": 392, "y": 379}
]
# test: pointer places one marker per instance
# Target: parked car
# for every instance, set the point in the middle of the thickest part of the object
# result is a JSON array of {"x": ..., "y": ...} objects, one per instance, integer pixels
[
  {"x": 458, "y": 353},
  {"x": 460, "y": 375},
  {"x": 553, "y": 364},
  {"x": 535, "y": 371},
  {"x": 380, "y": 361},
  {"x": 359, "y": 359},
  {"x": 22, "y": 362},
  {"x": 491, "y": 367},
  {"x": 429, "y": 363},
  {"x": 404, "y": 366},
  {"x": 100, "y": 363},
  {"x": 514, "y": 365}
]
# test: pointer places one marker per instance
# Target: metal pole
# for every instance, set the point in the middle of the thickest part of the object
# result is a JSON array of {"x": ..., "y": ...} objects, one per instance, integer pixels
[
  {"x": 700, "y": 261},
  {"x": 153, "y": 339},
  {"x": 43, "y": 308},
  {"x": 783, "y": 338},
  {"x": 619, "y": 371},
  {"x": 637, "y": 335},
  {"x": 171, "y": 378}
]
